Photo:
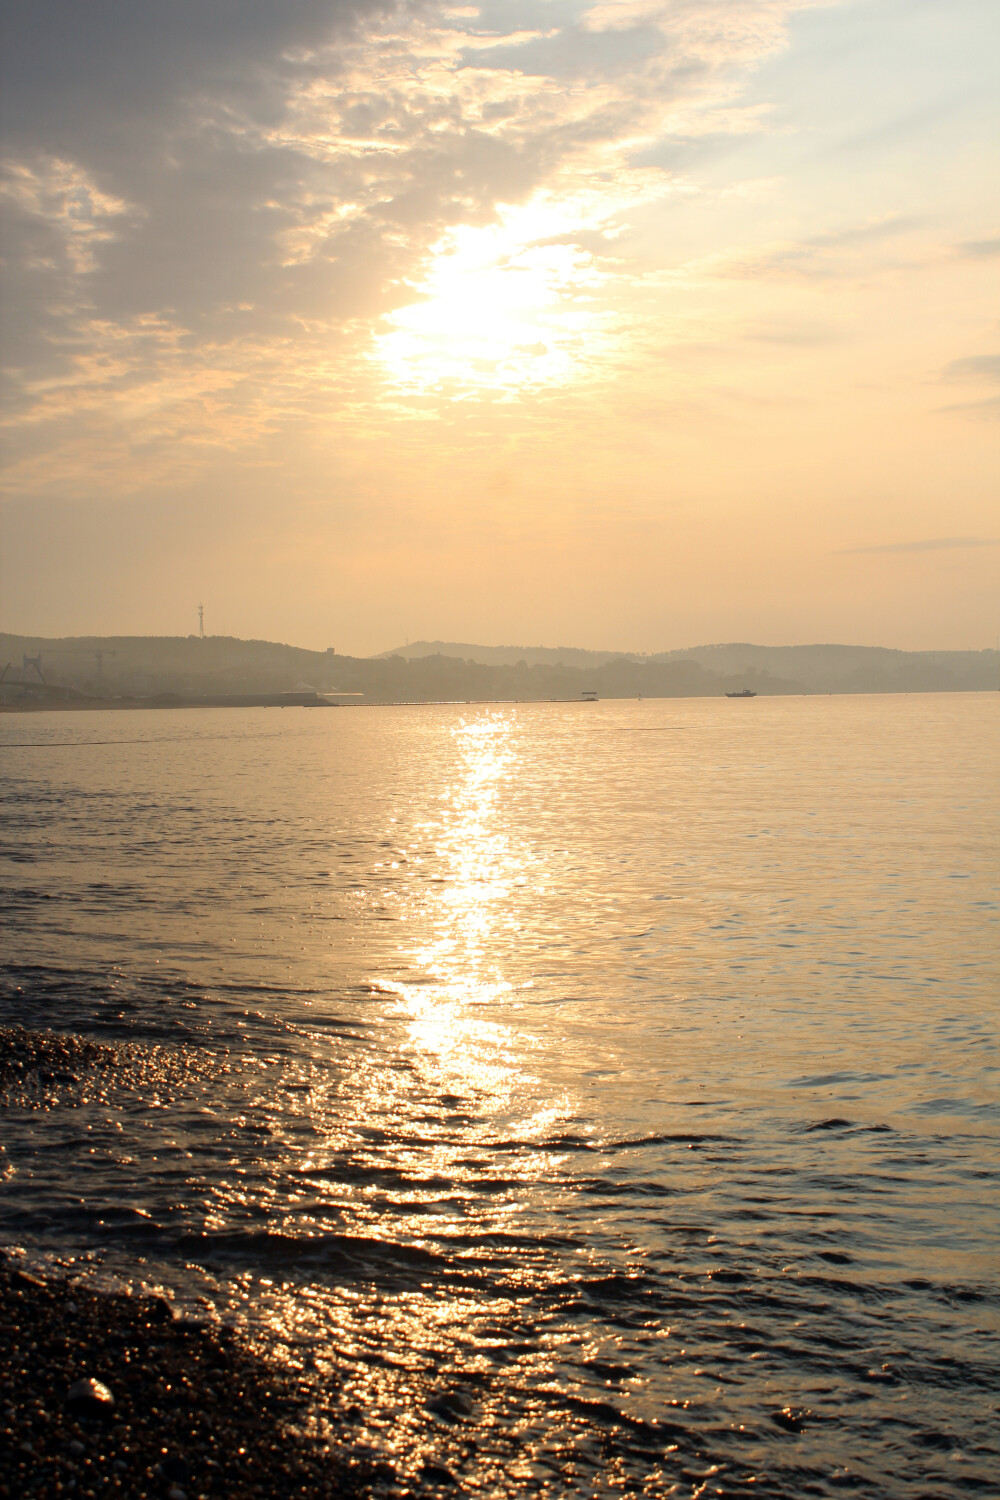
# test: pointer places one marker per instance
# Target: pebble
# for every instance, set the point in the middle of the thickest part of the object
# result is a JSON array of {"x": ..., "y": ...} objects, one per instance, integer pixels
[
  {"x": 437, "y": 1473},
  {"x": 153, "y": 1369},
  {"x": 452, "y": 1407},
  {"x": 791, "y": 1418},
  {"x": 177, "y": 1468},
  {"x": 89, "y": 1397}
]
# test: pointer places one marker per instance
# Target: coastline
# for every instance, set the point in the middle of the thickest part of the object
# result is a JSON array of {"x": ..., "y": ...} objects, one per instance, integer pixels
[
  {"x": 198, "y": 1409},
  {"x": 194, "y": 1411},
  {"x": 101, "y": 706}
]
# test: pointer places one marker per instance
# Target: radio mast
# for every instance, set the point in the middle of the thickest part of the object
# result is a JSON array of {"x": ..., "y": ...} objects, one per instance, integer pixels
[{"x": 201, "y": 620}]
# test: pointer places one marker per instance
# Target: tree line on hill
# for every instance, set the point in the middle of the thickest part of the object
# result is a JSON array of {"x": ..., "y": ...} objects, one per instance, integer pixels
[{"x": 191, "y": 667}]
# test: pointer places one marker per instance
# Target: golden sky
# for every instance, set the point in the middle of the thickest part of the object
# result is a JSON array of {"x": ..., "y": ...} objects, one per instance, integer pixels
[{"x": 630, "y": 324}]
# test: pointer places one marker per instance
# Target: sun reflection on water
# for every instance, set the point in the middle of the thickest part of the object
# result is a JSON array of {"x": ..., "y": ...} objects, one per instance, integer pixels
[{"x": 451, "y": 1012}]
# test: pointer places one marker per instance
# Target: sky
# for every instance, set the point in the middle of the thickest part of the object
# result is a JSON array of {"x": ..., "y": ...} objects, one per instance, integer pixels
[{"x": 627, "y": 324}]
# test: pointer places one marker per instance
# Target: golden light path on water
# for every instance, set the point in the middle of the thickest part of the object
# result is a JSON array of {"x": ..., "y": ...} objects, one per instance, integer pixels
[
  {"x": 454, "y": 1203},
  {"x": 467, "y": 932}
]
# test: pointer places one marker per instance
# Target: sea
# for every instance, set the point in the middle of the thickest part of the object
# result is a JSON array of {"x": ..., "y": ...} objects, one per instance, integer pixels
[{"x": 586, "y": 1099}]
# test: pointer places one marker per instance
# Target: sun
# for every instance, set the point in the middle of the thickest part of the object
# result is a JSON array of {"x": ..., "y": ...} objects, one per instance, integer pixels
[{"x": 502, "y": 307}]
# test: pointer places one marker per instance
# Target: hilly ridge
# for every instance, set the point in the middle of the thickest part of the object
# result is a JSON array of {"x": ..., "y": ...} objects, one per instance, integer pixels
[
  {"x": 826, "y": 668},
  {"x": 193, "y": 668}
]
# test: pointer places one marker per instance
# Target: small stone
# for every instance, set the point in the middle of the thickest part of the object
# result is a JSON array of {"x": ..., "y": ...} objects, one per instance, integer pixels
[
  {"x": 176, "y": 1493},
  {"x": 89, "y": 1397},
  {"x": 436, "y": 1473},
  {"x": 791, "y": 1418},
  {"x": 77, "y": 1448},
  {"x": 22, "y": 1279},
  {"x": 26, "y": 1447},
  {"x": 452, "y": 1407}
]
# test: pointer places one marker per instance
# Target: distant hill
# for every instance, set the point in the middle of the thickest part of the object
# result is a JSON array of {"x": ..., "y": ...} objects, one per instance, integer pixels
[
  {"x": 138, "y": 665},
  {"x": 853, "y": 669},
  {"x": 225, "y": 667},
  {"x": 509, "y": 656},
  {"x": 813, "y": 669}
]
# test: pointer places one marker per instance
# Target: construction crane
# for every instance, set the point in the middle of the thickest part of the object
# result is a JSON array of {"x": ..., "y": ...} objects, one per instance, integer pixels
[{"x": 98, "y": 652}]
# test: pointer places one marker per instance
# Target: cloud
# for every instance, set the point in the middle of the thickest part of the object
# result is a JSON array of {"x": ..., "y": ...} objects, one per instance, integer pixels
[
  {"x": 981, "y": 248},
  {"x": 214, "y": 209},
  {"x": 976, "y": 367},
  {"x": 984, "y": 411},
  {"x": 848, "y": 250},
  {"x": 98, "y": 77},
  {"x": 64, "y": 198},
  {"x": 932, "y": 544}
]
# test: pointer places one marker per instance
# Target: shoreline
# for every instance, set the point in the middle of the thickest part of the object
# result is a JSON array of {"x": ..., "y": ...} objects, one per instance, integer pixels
[
  {"x": 126, "y": 705},
  {"x": 195, "y": 1411},
  {"x": 103, "y": 706},
  {"x": 199, "y": 1410}
]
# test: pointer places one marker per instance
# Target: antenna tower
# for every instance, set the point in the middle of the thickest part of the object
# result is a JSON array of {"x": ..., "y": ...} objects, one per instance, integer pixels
[{"x": 201, "y": 620}]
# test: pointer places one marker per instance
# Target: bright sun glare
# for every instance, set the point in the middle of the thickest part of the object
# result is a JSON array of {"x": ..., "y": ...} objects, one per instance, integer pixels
[
  {"x": 463, "y": 1010},
  {"x": 503, "y": 307}
]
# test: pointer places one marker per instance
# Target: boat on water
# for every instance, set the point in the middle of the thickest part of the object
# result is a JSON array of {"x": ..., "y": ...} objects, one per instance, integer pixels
[
  {"x": 588, "y": 696},
  {"x": 746, "y": 693}
]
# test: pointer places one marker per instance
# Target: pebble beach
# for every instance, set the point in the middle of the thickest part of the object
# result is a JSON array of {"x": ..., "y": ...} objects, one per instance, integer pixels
[{"x": 111, "y": 1394}]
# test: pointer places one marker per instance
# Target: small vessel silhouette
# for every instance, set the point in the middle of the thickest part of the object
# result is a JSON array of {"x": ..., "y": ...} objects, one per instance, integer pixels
[{"x": 746, "y": 693}]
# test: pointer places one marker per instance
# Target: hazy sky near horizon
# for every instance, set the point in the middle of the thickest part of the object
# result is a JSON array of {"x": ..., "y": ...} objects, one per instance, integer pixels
[{"x": 626, "y": 324}]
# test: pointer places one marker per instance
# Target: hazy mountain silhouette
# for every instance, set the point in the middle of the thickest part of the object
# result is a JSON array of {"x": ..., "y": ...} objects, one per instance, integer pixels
[
  {"x": 175, "y": 668},
  {"x": 817, "y": 668}
]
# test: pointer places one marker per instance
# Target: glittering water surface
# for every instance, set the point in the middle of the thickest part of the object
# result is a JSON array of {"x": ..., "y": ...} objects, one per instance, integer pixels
[{"x": 598, "y": 1098}]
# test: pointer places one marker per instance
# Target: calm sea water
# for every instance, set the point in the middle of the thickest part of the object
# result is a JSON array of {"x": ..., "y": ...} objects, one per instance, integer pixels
[{"x": 594, "y": 1098}]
